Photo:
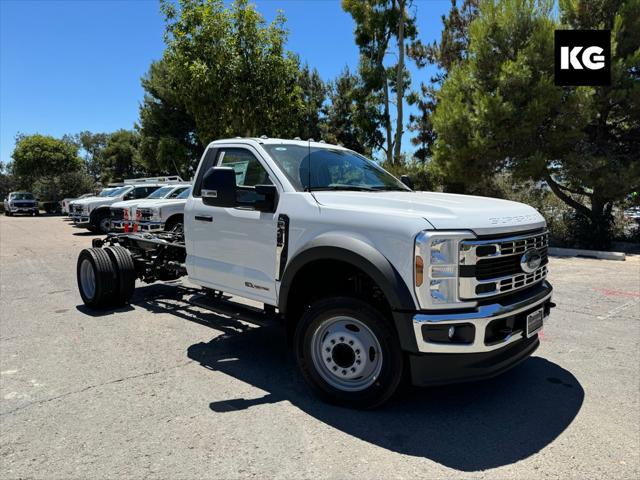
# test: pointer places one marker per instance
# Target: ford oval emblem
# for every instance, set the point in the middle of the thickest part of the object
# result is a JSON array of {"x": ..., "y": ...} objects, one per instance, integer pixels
[{"x": 530, "y": 261}]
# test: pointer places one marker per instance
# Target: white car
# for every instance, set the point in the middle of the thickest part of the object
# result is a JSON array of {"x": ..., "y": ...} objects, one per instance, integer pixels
[
  {"x": 166, "y": 214},
  {"x": 373, "y": 282},
  {"x": 93, "y": 213},
  {"x": 122, "y": 213}
]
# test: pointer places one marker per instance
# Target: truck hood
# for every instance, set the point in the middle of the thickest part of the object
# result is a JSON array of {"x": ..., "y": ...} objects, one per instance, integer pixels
[
  {"x": 126, "y": 203},
  {"x": 164, "y": 203},
  {"x": 445, "y": 211}
]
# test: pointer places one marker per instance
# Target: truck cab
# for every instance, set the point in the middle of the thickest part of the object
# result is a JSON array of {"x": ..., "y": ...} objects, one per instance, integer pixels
[{"x": 370, "y": 278}]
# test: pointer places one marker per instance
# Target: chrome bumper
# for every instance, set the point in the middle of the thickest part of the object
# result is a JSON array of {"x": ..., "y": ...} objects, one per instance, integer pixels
[
  {"x": 80, "y": 220},
  {"x": 150, "y": 226},
  {"x": 479, "y": 317}
]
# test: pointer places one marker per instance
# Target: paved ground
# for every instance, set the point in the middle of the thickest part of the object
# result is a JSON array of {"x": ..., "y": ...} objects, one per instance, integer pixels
[{"x": 166, "y": 389}]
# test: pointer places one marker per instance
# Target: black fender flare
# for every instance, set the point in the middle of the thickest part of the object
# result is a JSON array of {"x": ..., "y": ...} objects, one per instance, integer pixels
[
  {"x": 98, "y": 211},
  {"x": 368, "y": 259}
]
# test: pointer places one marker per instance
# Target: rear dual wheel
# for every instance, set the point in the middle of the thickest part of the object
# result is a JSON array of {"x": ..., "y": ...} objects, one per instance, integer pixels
[{"x": 106, "y": 277}]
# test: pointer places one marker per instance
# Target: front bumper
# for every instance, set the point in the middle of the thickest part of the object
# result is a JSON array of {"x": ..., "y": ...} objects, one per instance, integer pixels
[
  {"x": 81, "y": 220},
  {"x": 495, "y": 338},
  {"x": 150, "y": 226},
  {"x": 23, "y": 209}
]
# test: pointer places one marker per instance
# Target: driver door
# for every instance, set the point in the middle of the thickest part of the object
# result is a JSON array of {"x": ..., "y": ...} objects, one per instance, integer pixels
[{"x": 234, "y": 249}]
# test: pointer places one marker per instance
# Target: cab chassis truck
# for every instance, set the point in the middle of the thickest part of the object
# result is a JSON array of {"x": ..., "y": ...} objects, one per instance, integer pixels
[{"x": 371, "y": 279}]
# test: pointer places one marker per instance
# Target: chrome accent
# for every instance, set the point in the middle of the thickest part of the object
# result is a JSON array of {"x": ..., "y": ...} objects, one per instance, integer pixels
[
  {"x": 467, "y": 285},
  {"x": 480, "y": 317},
  {"x": 525, "y": 245},
  {"x": 209, "y": 193},
  {"x": 504, "y": 246}
]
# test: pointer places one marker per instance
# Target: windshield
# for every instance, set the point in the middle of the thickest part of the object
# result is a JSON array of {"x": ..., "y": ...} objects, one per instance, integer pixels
[
  {"x": 105, "y": 192},
  {"x": 161, "y": 192},
  {"x": 118, "y": 191},
  {"x": 185, "y": 194},
  {"x": 331, "y": 169},
  {"x": 22, "y": 196}
]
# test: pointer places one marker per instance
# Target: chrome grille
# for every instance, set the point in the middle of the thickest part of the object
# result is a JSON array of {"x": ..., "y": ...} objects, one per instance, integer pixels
[
  {"x": 143, "y": 214},
  {"x": 492, "y": 267}
]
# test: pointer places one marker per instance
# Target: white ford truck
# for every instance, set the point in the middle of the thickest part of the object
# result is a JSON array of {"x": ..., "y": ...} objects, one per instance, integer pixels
[
  {"x": 370, "y": 278},
  {"x": 122, "y": 214},
  {"x": 165, "y": 214},
  {"x": 94, "y": 214}
]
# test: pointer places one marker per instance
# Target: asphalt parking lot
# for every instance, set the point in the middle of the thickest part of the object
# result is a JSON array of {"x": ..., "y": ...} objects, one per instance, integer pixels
[{"x": 168, "y": 389}]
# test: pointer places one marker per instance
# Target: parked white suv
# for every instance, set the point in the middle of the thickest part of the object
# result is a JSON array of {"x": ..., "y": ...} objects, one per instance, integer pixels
[
  {"x": 371, "y": 279},
  {"x": 122, "y": 214},
  {"x": 93, "y": 213}
]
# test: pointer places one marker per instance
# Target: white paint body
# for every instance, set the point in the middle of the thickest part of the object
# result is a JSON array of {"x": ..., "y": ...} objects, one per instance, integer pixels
[{"x": 236, "y": 251}]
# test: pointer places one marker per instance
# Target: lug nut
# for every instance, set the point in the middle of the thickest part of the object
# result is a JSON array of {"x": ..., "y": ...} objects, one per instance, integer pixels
[
  {"x": 342, "y": 339},
  {"x": 344, "y": 372},
  {"x": 350, "y": 342},
  {"x": 357, "y": 362},
  {"x": 335, "y": 368},
  {"x": 328, "y": 359}
]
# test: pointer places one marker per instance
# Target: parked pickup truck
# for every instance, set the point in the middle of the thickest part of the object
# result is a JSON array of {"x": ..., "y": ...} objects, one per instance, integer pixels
[
  {"x": 370, "y": 278},
  {"x": 21, "y": 202},
  {"x": 166, "y": 214},
  {"x": 65, "y": 203},
  {"x": 122, "y": 213},
  {"x": 93, "y": 213}
]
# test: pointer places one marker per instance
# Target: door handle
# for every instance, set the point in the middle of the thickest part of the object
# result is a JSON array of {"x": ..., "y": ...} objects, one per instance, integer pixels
[{"x": 204, "y": 218}]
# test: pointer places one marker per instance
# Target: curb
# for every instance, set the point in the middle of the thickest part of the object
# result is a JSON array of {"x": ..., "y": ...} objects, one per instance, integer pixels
[{"x": 576, "y": 252}]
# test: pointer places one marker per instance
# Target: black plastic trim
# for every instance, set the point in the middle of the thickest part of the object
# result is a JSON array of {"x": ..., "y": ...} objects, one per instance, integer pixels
[{"x": 443, "y": 368}]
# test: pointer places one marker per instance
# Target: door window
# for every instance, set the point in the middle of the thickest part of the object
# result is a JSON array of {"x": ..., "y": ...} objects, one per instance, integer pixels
[{"x": 249, "y": 171}]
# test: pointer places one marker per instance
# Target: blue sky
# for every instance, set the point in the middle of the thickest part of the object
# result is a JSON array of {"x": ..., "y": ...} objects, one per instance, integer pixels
[{"x": 73, "y": 65}]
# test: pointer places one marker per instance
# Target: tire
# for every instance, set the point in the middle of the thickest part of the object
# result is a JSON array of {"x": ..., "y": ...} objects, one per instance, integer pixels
[
  {"x": 97, "y": 281},
  {"x": 7, "y": 213},
  {"x": 326, "y": 342},
  {"x": 101, "y": 223},
  {"x": 173, "y": 222},
  {"x": 125, "y": 272}
]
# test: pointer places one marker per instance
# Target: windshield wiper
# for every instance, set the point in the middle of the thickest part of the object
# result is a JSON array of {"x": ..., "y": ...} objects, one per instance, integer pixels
[
  {"x": 390, "y": 188},
  {"x": 352, "y": 188}
]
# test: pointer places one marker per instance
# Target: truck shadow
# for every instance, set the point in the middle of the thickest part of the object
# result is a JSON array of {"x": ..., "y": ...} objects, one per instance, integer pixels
[{"x": 469, "y": 427}]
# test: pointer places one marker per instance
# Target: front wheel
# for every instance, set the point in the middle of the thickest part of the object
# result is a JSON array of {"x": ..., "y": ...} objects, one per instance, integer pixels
[{"x": 349, "y": 353}]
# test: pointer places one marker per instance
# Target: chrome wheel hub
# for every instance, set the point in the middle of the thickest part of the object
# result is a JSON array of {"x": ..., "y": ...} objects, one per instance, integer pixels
[{"x": 346, "y": 353}]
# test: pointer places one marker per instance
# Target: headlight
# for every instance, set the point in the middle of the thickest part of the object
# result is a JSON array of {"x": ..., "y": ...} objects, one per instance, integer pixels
[
  {"x": 436, "y": 269},
  {"x": 154, "y": 214},
  {"x": 85, "y": 209}
]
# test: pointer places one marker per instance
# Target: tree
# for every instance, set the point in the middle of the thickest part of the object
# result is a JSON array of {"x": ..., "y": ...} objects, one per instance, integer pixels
[
  {"x": 499, "y": 110},
  {"x": 452, "y": 48},
  {"x": 230, "y": 70},
  {"x": 351, "y": 118},
  {"x": 314, "y": 93},
  {"x": 7, "y": 180},
  {"x": 378, "y": 22},
  {"x": 92, "y": 146},
  {"x": 120, "y": 158},
  {"x": 168, "y": 140},
  {"x": 38, "y": 156}
]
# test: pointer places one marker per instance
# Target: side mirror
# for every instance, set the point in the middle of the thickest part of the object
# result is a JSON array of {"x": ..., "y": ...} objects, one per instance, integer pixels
[
  {"x": 407, "y": 181},
  {"x": 270, "y": 194},
  {"x": 219, "y": 187}
]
